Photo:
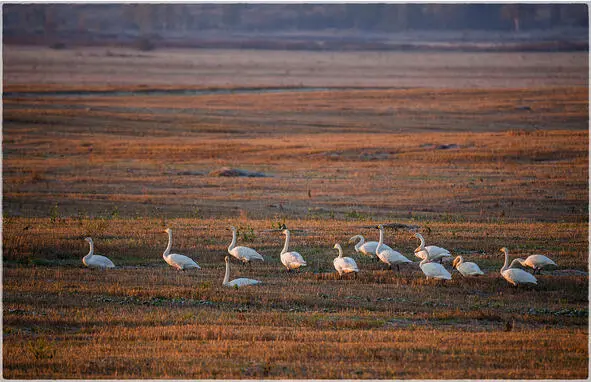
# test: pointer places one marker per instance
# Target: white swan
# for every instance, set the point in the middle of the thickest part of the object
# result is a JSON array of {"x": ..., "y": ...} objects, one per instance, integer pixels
[
  {"x": 388, "y": 255},
  {"x": 291, "y": 260},
  {"x": 435, "y": 252},
  {"x": 536, "y": 262},
  {"x": 243, "y": 254},
  {"x": 180, "y": 262},
  {"x": 515, "y": 276},
  {"x": 96, "y": 261},
  {"x": 236, "y": 283},
  {"x": 434, "y": 270},
  {"x": 344, "y": 264},
  {"x": 466, "y": 268},
  {"x": 367, "y": 248}
]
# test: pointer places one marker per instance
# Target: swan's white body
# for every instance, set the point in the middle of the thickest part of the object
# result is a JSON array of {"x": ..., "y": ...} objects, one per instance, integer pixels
[
  {"x": 96, "y": 261},
  {"x": 434, "y": 252},
  {"x": 387, "y": 255},
  {"x": 434, "y": 270},
  {"x": 243, "y": 254},
  {"x": 466, "y": 268},
  {"x": 180, "y": 262},
  {"x": 536, "y": 262},
  {"x": 291, "y": 260},
  {"x": 367, "y": 248},
  {"x": 344, "y": 264},
  {"x": 236, "y": 283},
  {"x": 515, "y": 276}
]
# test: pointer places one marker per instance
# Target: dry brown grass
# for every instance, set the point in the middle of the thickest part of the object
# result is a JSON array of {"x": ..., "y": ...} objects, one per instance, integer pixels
[
  {"x": 142, "y": 319},
  {"x": 115, "y": 167},
  {"x": 354, "y": 165}
]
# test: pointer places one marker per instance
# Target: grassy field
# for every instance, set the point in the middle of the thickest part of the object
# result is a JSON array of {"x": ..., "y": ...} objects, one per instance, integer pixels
[{"x": 473, "y": 163}]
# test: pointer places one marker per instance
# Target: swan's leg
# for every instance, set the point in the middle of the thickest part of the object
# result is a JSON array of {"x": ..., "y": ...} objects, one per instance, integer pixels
[{"x": 398, "y": 266}]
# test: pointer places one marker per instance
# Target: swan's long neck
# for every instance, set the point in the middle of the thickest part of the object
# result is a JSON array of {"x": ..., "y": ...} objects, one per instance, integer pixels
[
  {"x": 381, "y": 242},
  {"x": 91, "y": 251},
  {"x": 460, "y": 261},
  {"x": 424, "y": 261},
  {"x": 422, "y": 246},
  {"x": 169, "y": 246},
  {"x": 359, "y": 243},
  {"x": 233, "y": 243},
  {"x": 506, "y": 265},
  {"x": 286, "y": 245},
  {"x": 338, "y": 247},
  {"x": 515, "y": 261},
  {"x": 227, "y": 276}
]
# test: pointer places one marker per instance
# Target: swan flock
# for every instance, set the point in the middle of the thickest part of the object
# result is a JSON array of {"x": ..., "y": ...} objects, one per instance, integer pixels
[{"x": 431, "y": 263}]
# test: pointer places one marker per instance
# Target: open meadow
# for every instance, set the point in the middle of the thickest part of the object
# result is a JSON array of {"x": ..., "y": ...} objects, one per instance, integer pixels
[{"x": 475, "y": 151}]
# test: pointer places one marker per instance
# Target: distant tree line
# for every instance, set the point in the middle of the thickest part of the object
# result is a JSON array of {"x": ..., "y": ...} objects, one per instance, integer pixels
[
  {"x": 59, "y": 24},
  {"x": 154, "y": 18}
]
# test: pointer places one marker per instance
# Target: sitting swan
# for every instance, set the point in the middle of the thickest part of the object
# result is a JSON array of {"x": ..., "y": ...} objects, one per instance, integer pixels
[
  {"x": 387, "y": 255},
  {"x": 536, "y": 262},
  {"x": 236, "y": 283},
  {"x": 515, "y": 276},
  {"x": 96, "y": 261},
  {"x": 367, "y": 248},
  {"x": 434, "y": 270},
  {"x": 344, "y": 264},
  {"x": 435, "y": 252},
  {"x": 180, "y": 262},
  {"x": 243, "y": 254},
  {"x": 291, "y": 260},
  {"x": 466, "y": 268}
]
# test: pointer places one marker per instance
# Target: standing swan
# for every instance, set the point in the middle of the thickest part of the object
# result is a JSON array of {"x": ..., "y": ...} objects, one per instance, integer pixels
[
  {"x": 291, "y": 260},
  {"x": 367, "y": 248},
  {"x": 434, "y": 270},
  {"x": 435, "y": 252},
  {"x": 515, "y": 276},
  {"x": 536, "y": 262},
  {"x": 96, "y": 261},
  {"x": 237, "y": 283},
  {"x": 388, "y": 255},
  {"x": 180, "y": 262},
  {"x": 466, "y": 268},
  {"x": 344, "y": 264},
  {"x": 243, "y": 254}
]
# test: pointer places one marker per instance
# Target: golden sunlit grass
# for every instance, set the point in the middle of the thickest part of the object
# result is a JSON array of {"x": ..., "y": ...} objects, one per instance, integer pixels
[
  {"x": 473, "y": 169},
  {"x": 358, "y": 164},
  {"x": 136, "y": 320}
]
